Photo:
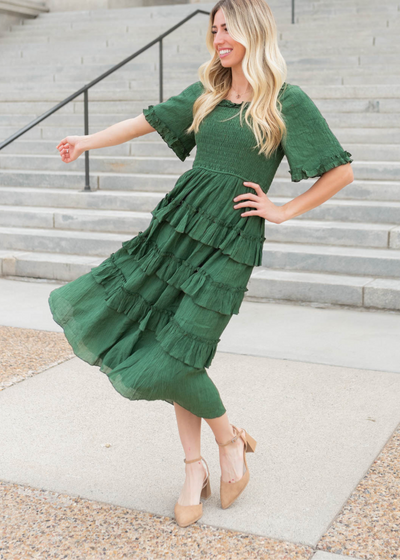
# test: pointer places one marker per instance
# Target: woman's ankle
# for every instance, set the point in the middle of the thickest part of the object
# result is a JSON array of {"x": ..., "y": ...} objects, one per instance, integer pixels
[
  {"x": 194, "y": 467},
  {"x": 232, "y": 449},
  {"x": 225, "y": 436}
]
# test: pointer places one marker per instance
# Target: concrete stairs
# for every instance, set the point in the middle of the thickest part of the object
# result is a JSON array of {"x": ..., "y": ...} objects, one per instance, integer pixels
[
  {"x": 22, "y": 8},
  {"x": 345, "y": 252}
]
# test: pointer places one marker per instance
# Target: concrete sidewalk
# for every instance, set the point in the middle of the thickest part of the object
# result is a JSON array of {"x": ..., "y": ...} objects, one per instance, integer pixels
[
  {"x": 332, "y": 336},
  {"x": 317, "y": 388}
]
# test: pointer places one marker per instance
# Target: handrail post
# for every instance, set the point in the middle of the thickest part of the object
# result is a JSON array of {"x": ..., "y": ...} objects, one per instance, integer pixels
[
  {"x": 292, "y": 11},
  {"x": 85, "y": 90},
  {"x": 161, "y": 69},
  {"x": 86, "y": 117}
]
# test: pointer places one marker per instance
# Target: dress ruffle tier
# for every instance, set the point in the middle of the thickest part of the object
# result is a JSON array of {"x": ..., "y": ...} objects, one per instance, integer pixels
[
  {"x": 174, "y": 284},
  {"x": 203, "y": 229}
]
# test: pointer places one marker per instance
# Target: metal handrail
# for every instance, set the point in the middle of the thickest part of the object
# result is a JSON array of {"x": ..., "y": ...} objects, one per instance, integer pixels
[{"x": 85, "y": 89}]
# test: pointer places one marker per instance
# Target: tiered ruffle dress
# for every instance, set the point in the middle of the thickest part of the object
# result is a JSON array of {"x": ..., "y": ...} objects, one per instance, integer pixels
[{"x": 151, "y": 315}]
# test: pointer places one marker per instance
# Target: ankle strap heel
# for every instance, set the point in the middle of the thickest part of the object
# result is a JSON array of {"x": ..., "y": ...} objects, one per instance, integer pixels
[
  {"x": 206, "y": 490},
  {"x": 230, "y": 491},
  {"x": 186, "y": 515},
  {"x": 249, "y": 442}
]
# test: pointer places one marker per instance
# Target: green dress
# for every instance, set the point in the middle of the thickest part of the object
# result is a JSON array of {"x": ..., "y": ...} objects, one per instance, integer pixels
[{"x": 152, "y": 313}]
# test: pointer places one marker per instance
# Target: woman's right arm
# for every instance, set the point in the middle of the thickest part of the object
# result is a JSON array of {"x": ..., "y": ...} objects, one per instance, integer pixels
[{"x": 72, "y": 147}]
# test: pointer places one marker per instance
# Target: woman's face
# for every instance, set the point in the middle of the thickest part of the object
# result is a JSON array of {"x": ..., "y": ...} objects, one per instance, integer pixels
[{"x": 230, "y": 52}]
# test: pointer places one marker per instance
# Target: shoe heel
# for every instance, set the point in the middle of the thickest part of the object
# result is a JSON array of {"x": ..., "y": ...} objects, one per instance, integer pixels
[
  {"x": 250, "y": 444},
  {"x": 206, "y": 491}
]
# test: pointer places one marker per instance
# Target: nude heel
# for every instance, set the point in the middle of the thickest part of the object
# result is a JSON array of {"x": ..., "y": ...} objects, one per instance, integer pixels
[
  {"x": 229, "y": 491},
  {"x": 250, "y": 443},
  {"x": 186, "y": 515},
  {"x": 206, "y": 490}
]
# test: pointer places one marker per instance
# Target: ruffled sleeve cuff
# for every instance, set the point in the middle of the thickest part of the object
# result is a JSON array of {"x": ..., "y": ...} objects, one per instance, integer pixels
[
  {"x": 171, "y": 139},
  {"x": 316, "y": 169}
]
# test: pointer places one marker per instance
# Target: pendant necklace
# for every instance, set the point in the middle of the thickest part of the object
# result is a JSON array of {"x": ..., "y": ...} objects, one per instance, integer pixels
[{"x": 240, "y": 94}]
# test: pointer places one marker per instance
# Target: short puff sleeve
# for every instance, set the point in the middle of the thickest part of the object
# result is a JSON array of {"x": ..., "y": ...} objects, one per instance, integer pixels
[
  {"x": 172, "y": 117},
  {"x": 310, "y": 146}
]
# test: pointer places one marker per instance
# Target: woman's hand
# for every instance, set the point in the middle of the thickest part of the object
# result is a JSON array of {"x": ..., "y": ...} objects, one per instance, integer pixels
[
  {"x": 264, "y": 207},
  {"x": 70, "y": 148}
]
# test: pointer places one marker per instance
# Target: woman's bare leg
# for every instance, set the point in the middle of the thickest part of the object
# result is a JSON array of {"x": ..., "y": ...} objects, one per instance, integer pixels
[
  {"x": 189, "y": 427},
  {"x": 230, "y": 456}
]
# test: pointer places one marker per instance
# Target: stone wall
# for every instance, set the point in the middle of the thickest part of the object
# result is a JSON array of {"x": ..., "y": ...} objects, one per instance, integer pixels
[{"x": 72, "y": 5}]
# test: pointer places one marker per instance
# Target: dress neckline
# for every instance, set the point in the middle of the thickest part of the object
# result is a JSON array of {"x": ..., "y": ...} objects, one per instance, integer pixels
[{"x": 229, "y": 103}]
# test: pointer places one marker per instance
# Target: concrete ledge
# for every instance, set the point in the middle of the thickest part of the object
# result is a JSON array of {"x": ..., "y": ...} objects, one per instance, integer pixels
[
  {"x": 88, "y": 243},
  {"x": 264, "y": 285},
  {"x": 395, "y": 238},
  {"x": 25, "y": 8},
  {"x": 383, "y": 293},
  {"x": 49, "y": 266},
  {"x": 305, "y": 286}
]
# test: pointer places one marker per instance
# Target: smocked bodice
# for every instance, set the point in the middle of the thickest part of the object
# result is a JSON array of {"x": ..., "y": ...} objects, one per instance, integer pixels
[{"x": 224, "y": 145}]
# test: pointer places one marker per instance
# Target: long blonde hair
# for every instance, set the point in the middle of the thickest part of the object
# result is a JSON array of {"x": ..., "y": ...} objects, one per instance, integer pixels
[{"x": 251, "y": 23}]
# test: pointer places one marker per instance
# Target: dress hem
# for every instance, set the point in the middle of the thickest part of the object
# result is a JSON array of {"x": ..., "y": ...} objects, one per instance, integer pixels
[{"x": 84, "y": 353}]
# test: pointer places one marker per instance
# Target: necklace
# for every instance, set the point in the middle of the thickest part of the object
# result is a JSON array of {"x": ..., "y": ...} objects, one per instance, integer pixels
[{"x": 239, "y": 95}]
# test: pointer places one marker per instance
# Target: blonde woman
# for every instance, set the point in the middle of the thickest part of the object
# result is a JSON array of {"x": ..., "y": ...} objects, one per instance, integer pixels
[{"x": 151, "y": 315}]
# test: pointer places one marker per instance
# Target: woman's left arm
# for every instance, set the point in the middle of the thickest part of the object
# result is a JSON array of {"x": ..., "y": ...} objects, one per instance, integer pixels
[{"x": 322, "y": 190}]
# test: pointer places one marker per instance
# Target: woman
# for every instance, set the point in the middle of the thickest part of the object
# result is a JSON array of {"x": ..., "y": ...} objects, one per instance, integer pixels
[{"x": 152, "y": 313}]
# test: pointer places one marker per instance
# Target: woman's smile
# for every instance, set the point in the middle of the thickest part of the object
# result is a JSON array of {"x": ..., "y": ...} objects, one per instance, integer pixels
[{"x": 224, "y": 52}]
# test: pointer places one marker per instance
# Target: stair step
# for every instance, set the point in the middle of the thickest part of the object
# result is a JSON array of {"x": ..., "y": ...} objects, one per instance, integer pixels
[
  {"x": 363, "y": 170},
  {"x": 59, "y": 241},
  {"x": 357, "y": 291},
  {"x": 76, "y": 180},
  {"x": 358, "y": 190},
  {"x": 264, "y": 285},
  {"x": 281, "y": 285},
  {"x": 51, "y": 266},
  {"x": 63, "y": 198},
  {"x": 371, "y": 211},
  {"x": 379, "y": 262},
  {"x": 331, "y": 233},
  {"x": 125, "y": 221},
  {"x": 332, "y": 259},
  {"x": 75, "y": 219},
  {"x": 152, "y": 182}
]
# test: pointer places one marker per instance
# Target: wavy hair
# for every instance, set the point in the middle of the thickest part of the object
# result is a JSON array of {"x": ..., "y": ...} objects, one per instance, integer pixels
[{"x": 251, "y": 23}]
